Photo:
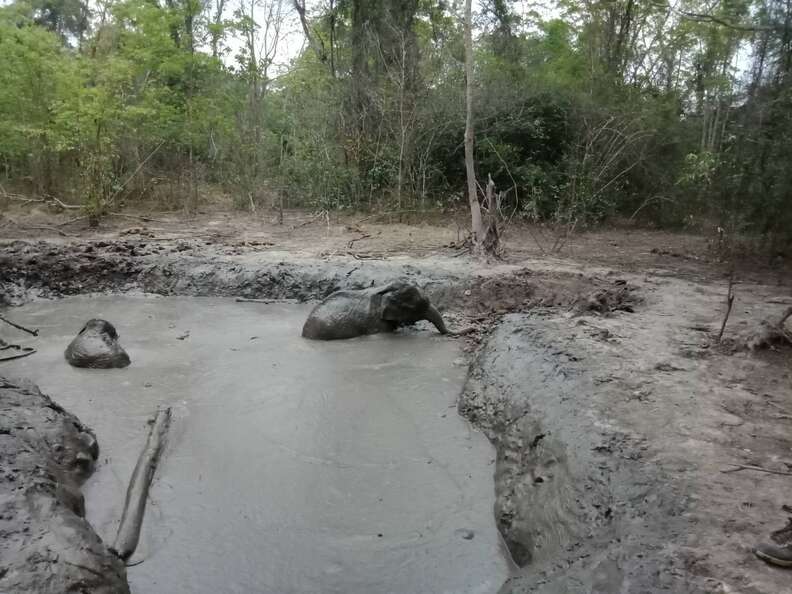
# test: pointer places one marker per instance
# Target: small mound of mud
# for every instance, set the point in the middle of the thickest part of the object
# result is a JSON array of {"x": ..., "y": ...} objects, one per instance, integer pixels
[
  {"x": 47, "y": 546},
  {"x": 768, "y": 336},
  {"x": 526, "y": 289},
  {"x": 620, "y": 296}
]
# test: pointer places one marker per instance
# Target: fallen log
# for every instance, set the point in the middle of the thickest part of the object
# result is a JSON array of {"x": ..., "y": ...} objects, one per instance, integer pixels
[{"x": 135, "y": 505}]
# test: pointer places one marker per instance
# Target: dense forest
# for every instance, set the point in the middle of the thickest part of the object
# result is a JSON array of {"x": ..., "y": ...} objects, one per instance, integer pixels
[{"x": 673, "y": 112}]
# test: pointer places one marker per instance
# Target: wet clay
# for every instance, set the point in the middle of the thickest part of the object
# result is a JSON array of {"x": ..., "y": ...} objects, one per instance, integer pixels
[
  {"x": 46, "y": 544},
  {"x": 291, "y": 465}
]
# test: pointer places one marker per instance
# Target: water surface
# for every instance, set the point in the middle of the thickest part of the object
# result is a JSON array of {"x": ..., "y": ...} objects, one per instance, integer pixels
[{"x": 292, "y": 465}]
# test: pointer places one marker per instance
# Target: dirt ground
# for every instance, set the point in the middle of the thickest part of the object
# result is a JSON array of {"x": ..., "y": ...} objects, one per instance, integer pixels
[{"x": 635, "y": 452}]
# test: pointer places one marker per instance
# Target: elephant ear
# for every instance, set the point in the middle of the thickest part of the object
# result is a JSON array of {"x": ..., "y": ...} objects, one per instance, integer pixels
[{"x": 405, "y": 304}]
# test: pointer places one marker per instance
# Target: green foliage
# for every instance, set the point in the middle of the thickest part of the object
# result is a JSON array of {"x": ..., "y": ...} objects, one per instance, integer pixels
[{"x": 611, "y": 107}]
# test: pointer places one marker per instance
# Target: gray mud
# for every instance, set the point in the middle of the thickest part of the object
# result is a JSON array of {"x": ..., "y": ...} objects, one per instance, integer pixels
[
  {"x": 578, "y": 503},
  {"x": 192, "y": 268},
  {"x": 46, "y": 544},
  {"x": 292, "y": 465}
]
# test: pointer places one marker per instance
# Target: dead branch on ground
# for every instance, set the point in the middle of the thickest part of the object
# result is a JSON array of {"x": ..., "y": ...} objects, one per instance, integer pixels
[
  {"x": 243, "y": 300},
  {"x": 27, "y": 351},
  {"x": 729, "y": 303},
  {"x": 362, "y": 237},
  {"x": 389, "y": 213},
  {"x": 135, "y": 505},
  {"x": 770, "y": 334},
  {"x": 19, "y": 326},
  {"x": 145, "y": 219},
  {"x": 739, "y": 467},
  {"x": 364, "y": 256},
  {"x": 74, "y": 220},
  {"x": 320, "y": 214},
  {"x": 62, "y": 204}
]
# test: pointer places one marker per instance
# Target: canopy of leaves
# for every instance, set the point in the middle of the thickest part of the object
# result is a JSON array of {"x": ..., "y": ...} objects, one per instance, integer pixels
[{"x": 676, "y": 113}]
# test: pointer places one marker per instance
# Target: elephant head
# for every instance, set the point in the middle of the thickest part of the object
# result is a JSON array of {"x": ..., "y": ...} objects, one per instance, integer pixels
[
  {"x": 97, "y": 346},
  {"x": 402, "y": 304},
  {"x": 346, "y": 314}
]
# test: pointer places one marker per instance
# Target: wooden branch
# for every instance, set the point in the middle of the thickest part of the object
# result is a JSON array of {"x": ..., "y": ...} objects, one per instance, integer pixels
[
  {"x": 318, "y": 215},
  {"x": 20, "y": 198},
  {"x": 47, "y": 228},
  {"x": 708, "y": 18},
  {"x": 740, "y": 467},
  {"x": 134, "y": 173},
  {"x": 135, "y": 505},
  {"x": 729, "y": 303},
  {"x": 362, "y": 237},
  {"x": 312, "y": 36},
  {"x": 388, "y": 213},
  {"x": 71, "y": 221},
  {"x": 62, "y": 204},
  {"x": 785, "y": 317},
  {"x": 19, "y": 327},
  {"x": 143, "y": 218},
  {"x": 27, "y": 353},
  {"x": 243, "y": 300}
]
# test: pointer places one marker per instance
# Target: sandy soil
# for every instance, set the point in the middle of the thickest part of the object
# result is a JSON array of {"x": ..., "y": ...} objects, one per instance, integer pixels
[{"x": 644, "y": 428}]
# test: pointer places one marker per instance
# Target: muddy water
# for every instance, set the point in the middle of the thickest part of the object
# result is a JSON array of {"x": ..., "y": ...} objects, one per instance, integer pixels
[{"x": 292, "y": 466}]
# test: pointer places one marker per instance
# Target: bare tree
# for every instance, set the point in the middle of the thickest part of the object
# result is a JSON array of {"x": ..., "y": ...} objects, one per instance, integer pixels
[
  {"x": 218, "y": 9},
  {"x": 475, "y": 209},
  {"x": 313, "y": 37},
  {"x": 261, "y": 28}
]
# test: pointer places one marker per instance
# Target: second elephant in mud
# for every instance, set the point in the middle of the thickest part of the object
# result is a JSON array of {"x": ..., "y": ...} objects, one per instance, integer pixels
[
  {"x": 346, "y": 314},
  {"x": 97, "y": 346}
]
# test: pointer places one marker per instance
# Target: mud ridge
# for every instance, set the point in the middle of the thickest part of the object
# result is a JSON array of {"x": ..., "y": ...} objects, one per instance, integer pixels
[
  {"x": 47, "y": 546},
  {"x": 579, "y": 503},
  {"x": 192, "y": 268}
]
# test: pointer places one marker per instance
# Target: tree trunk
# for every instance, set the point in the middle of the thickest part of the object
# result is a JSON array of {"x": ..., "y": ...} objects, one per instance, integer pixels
[{"x": 475, "y": 208}]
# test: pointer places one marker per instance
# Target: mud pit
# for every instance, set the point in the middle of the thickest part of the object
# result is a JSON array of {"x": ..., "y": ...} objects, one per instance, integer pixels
[{"x": 292, "y": 465}]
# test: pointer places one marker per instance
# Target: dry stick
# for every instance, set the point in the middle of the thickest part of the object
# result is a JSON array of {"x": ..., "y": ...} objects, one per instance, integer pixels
[
  {"x": 18, "y": 327},
  {"x": 389, "y": 213},
  {"x": 781, "y": 408},
  {"x": 729, "y": 303},
  {"x": 243, "y": 300},
  {"x": 517, "y": 199},
  {"x": 20, "y": 356},
  {"x": 135, "y": 505},
  {"x": 740, "y": 467},
  {"x": 143, "y": 218},
  {"x": 47, "y": 228},
  {"x": 785, "y": 317},
  {"x": 62, "y": 204},
  {"x": 74, "y": 220},
  {"x": 134, "y": 173},
  {"x": 362, "y": 237},
  {"x": 309, "y": 221}
]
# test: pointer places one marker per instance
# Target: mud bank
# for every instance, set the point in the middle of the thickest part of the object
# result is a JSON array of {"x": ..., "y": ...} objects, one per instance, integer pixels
[
  {"x": 202, "y": 269},
  {"x": 580, "y": 500},
  {"x": 46, "y": 544}
]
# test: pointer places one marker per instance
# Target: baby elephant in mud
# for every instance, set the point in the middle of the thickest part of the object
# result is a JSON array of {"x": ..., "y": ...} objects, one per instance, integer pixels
[
  {"x": 96, "y": 346},
  {"x": 346, "y": 314}
]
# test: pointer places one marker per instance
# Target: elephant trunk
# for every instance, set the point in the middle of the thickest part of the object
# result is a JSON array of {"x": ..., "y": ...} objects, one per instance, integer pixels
[{"x": 434, "y": 316}]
